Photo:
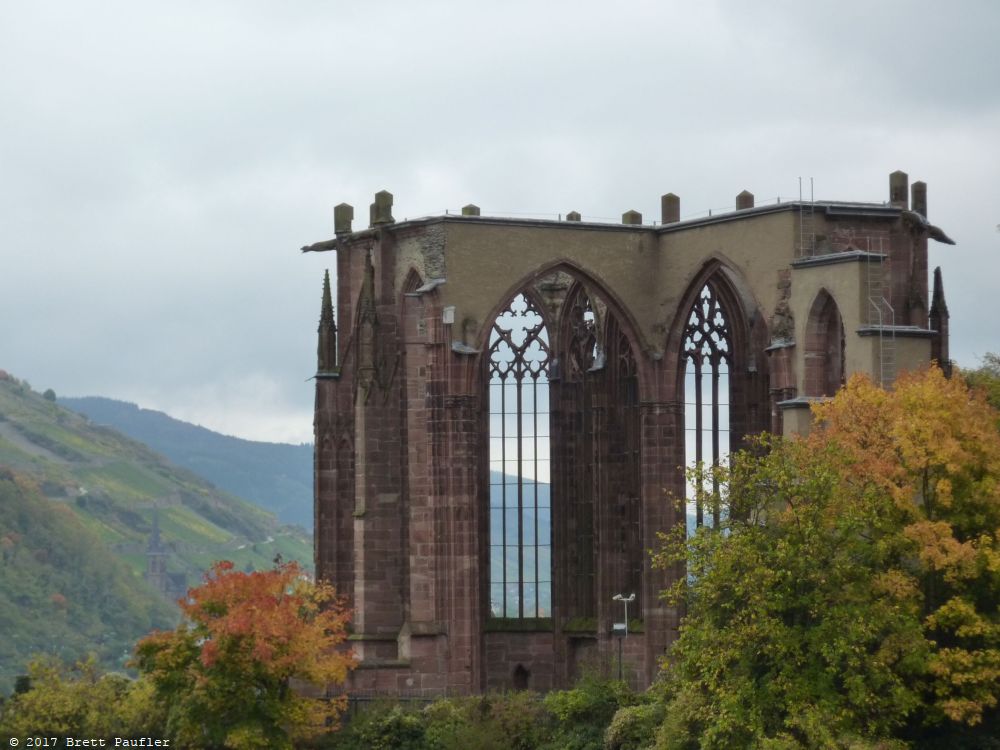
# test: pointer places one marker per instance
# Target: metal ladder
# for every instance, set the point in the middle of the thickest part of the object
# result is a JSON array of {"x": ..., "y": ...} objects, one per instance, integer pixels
[
  {"x": 880, "y": 313},
  {"x": 807, "y": 225}
]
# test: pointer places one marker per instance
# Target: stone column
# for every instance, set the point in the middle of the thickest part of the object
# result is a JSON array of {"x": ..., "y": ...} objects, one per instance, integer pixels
[
  {"x": 662, "y": 450},
  {"x": 459, "y": 432}
]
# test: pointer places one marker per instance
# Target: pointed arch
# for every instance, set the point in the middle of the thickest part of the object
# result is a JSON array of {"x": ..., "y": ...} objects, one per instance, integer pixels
[
  {"x": 520, "y": 529},
  {"x": 581, "y": 507},
  {"x": 748, "y": 328},
  {"x": 718, "y": 339},
  {"x": 596, "y": 459},
  {"x": 824, "y": 350},
  {"x": 412, "y": 281},
  {"x": 594, "y": 287}
]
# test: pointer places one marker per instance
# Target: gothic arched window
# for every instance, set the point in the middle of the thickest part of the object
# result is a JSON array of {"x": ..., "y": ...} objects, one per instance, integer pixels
[
  {"x": 708, "y": 358},
  {"x": 520, "y": 491},
  {"x": 824, "y": 360}
]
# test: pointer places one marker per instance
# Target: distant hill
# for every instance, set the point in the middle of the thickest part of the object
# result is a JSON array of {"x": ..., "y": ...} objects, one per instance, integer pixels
[
  {"x": 276, "y": 476},
  {"x": 77, "y": 508}
]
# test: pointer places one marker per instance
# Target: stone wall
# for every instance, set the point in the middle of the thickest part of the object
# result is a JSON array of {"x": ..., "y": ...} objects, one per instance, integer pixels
[{"x": 402, "y": 496}]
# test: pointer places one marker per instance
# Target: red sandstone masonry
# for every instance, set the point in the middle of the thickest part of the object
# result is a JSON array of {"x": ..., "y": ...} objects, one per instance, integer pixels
[{"x": 401, "y": 453}]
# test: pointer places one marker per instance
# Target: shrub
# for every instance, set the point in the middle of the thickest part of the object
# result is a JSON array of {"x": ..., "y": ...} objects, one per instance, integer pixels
[
  {"x": 583, "y": 712},
  {"x": 384, "y": 727},
  {"x": 81, "y": 701},
  {"x": 634, "y": 727}
]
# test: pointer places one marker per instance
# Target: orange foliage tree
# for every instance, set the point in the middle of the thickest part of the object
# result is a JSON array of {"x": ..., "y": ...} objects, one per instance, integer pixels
[{"x": 238, "y": 671}]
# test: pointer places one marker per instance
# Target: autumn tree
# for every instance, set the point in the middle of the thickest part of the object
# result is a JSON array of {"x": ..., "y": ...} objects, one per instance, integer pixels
[
  {"x": 243, "y": 668},
  {"x": 986, "y": 378},
  {"x": 851, "y": 594}
]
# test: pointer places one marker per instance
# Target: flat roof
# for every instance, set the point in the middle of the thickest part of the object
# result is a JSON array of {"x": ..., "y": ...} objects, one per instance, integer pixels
[{"x": 828, "y": 208}]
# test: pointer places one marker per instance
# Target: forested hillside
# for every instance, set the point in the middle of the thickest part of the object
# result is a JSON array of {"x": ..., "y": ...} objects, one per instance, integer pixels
[
  {"x": 275, "y": 476},
  {"x": 76, "y": 516}
]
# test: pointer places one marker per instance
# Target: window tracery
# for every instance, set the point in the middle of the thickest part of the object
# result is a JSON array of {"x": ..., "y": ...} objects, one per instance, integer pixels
[
  {"x": 582, "y": 349},
  {"x": 520, "y": 491},
  {"x": 707, "y": 353}
]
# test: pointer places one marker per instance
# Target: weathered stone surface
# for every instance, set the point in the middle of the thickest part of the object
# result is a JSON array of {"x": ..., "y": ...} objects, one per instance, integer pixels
[
  {"x": 670, "y": 208},
  {"x": 898, "y": 189},
  {"x": 918, "y": 193},
  {"x": 382, "y": 208},
  {"x": 402, "y": 433},
  {"x": 343, "y": 215}
]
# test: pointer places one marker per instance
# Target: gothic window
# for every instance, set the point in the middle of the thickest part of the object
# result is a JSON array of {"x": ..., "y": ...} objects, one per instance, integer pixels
[
  {"x": 708, "y": 359},
  {"x": 824, "y": 356},
  {"x": 520, "y": 491}
]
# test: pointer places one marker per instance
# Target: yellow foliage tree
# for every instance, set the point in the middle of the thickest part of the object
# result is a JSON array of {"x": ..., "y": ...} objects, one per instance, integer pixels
[
  {"x": 933, "y": 445},
  {"x": 81, "y": 701},
  {"x": 851, "y": 593}
]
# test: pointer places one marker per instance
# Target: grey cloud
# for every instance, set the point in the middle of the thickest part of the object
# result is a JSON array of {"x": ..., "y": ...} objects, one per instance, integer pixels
[{"x": 161, "y": 166}]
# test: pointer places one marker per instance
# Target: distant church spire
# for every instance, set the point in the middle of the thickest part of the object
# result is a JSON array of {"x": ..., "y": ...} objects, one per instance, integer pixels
[
  {"x": 156, "y": 557},
  {"x": 155, "y": 545},
  {"x": 327, "y": 354}
]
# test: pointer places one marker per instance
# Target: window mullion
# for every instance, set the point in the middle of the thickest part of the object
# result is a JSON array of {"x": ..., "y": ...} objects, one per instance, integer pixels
[
  {"x": 715, "y": 439},
  {"x": 698, "y": 431},
  {"x": 503, "y": 479},
  {"x": 520, "y": 498}
]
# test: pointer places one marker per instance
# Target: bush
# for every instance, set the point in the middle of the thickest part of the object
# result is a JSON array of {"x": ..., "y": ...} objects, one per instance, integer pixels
[
  {"x": 633, "y": 727},
  {"x": 499, "y": 721},
  {"x": 583, "y": 712},
  {"x": 385, "y": 728},
  {"x": 573, "y": 719},
  {"x": 83, "y": 702},
  {"x": 520, "y": 719}
]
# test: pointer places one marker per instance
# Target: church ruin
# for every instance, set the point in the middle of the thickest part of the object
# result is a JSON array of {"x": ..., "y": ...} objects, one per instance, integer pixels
[{"x": 503, "y": 406}]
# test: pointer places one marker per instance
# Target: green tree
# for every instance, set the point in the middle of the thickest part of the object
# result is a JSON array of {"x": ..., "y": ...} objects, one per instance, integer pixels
[
  {"x": 239, "y": 672},
  {"x": 851, "y": 595}
]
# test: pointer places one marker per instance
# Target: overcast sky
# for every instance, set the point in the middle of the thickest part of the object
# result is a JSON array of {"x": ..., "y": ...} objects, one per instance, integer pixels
[{"x": 162, "y": 162}]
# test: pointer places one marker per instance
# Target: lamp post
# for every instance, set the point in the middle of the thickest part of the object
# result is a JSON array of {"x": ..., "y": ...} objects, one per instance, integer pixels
[{"x": 622, "y": 630}]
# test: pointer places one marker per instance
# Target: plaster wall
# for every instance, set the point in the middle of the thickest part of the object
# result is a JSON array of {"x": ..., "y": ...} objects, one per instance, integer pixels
[
  {"x": 845, "y": 282},
  {"x": 647, "y": 273}
]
